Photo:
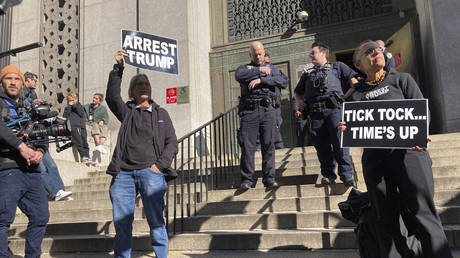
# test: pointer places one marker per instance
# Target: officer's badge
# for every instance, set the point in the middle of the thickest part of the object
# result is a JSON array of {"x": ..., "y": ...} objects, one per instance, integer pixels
[
  {"x": 389, "y": 55},
  {"x": 308, "y": 68},
  {"x": 249, "y": 66}
]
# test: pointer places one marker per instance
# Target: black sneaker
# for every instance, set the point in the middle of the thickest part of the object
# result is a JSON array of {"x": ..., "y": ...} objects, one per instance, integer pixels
[
  {"x": 245, "y": 186},
  {"x": 273, "y": 184},
  {"x": 349, "y": 183},
  {"x": 327, "y": 181}
]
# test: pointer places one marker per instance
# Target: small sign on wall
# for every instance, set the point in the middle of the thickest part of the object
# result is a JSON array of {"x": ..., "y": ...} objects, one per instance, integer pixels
[
  {"x": 171, "y": 95},
  {"x": 183, "y": 95},
  {"x": 398, "y": 59}
]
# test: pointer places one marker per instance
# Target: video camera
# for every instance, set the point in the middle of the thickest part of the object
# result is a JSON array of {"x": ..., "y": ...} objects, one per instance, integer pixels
[{"x": 34, "y": 126}]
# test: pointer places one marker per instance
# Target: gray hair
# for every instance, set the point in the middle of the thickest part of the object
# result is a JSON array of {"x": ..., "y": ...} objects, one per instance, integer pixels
[{"x": 357, "y": 52}]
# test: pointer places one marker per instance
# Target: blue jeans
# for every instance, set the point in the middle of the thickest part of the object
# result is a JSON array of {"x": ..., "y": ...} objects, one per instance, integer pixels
[
  {"x": 50, "y": 175},
  {"x": 24, "y": 190},
  {"x": 123, "y": 190}
]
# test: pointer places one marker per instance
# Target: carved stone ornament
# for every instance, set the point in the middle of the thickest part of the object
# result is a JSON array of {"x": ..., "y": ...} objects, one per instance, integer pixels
[
  {"x": 59, "y": 57},
  {"x": 249, "y": 19}
]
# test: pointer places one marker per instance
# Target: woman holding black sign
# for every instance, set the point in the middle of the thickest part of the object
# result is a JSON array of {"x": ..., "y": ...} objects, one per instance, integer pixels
[{"x": 399, "y": 181}]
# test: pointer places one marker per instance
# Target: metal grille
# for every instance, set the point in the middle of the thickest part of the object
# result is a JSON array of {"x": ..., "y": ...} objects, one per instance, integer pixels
[
  {"x": 249, "y": 19},
  {"x": 59, "y": 55},
  {"x": 5, "y": 36}
]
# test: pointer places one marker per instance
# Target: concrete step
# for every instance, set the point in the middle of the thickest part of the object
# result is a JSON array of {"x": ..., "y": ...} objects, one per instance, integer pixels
[
  {"x": 222, "y": 201},
  {"x": 234, "y": 218},
  {"x": 274, "y": 253},
  {"x": 300, "y": 239},
  {"x": 287, "y": 176},
  {"x": 317, "y": 253},
  {"x": 259, "y": 192},
  {"x": 100, "y": 199},
  {"x": 445, "y": 137},
  {"x": 442, "y": 167},
  {"x": 248, "y": 240},
  {"x": 310, "y": 159},
  {"x": 287, "y": 189}
]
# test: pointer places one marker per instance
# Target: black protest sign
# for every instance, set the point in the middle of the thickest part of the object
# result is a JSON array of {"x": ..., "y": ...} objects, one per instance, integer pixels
[
  {"x": 150, "y": 52},
  {"x": 386, "y": 123}
]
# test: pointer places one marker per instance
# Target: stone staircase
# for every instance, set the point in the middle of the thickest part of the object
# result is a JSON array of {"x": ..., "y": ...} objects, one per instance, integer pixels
[{"x": 299, "y": 219}]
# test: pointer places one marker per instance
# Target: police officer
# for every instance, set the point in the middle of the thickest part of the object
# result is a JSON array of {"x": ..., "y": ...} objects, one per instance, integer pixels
[
  {"x": 278, "y": 140},
  {"x": 389, "y": 58},
  {"x": 319, "y": 93},
  {"x": 258, "y": 82},
  {"x": 20, "y": 181}
]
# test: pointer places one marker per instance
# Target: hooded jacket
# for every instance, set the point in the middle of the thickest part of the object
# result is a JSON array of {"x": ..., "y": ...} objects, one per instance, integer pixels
[
  {"x": 165, "y": 142},
  {"x": 9, "y": 142}
]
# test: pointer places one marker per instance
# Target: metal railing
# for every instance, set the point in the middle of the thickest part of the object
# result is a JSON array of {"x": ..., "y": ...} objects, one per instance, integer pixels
[{"x": 207, "y": 160}]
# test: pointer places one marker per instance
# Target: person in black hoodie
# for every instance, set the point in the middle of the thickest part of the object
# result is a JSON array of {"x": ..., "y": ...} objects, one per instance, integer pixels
[
  {"x": 141, "y": 161},
  {"x": 77, "y": 116},
  {"x": 397, "y": 180},
  {"x": 20, "y": 181}
]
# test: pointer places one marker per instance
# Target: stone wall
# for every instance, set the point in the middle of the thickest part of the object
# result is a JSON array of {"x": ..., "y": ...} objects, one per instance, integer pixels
[{"x": 59, "y": 56}]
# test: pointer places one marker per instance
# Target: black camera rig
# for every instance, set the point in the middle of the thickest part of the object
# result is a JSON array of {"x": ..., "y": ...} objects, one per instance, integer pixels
[{"x": 40, "y": 125}]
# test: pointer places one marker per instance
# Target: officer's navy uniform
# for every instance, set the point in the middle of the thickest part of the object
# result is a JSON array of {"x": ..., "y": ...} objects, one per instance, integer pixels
[
  {"x": 389, "y": 60},
  {"x": 257, "y": 116},
  {"x": 401, "y": 179},
  {"x": 278, "y": 140},
  {"x": 322, "y": 89},
  {"x": 301, "y": 125}
]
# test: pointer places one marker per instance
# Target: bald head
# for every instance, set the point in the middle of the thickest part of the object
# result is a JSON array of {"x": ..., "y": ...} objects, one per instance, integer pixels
[{"x": 257, "y": 52}]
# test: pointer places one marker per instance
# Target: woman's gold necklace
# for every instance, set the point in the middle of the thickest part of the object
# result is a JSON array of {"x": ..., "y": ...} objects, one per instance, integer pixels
[{"x": 378, "y": 80}]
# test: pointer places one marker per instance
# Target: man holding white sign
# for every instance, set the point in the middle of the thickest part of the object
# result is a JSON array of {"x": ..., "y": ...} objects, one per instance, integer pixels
[{"x": 399, "y": 181}]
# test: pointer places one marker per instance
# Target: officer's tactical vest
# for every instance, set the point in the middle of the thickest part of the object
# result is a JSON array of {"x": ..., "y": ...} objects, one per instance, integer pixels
[{"x": 321, "y": 83}]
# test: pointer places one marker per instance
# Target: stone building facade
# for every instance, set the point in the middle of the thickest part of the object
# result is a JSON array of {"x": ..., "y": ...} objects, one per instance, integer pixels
[{"x": 81, "y": 36}]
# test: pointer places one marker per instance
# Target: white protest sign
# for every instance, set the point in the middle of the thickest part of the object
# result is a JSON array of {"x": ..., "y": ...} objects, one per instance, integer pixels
[
  {"x": 386, "y": 124},
  {"x": 150, "y": 52}
]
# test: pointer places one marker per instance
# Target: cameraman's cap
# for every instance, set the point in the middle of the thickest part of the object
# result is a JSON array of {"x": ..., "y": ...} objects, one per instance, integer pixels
[{"x": 11, "y": 69}]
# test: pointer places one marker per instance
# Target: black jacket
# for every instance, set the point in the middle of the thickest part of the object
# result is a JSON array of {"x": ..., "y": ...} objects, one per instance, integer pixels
[
  {"x": 267, "y": 88},
  {"x": 76, "y": 114},
  {"x": 165, "y": 142},
  {"x": 9, "y": 142}
]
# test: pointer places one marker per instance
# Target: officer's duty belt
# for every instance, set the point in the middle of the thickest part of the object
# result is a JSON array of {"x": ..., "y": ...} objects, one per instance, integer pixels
[
  {"x": 319, "y": 106},
  {"x": 254, "y": 103}
]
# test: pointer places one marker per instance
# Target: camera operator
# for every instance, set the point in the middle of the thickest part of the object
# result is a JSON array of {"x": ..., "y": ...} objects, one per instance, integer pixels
[{"x": 20, "y": 181}]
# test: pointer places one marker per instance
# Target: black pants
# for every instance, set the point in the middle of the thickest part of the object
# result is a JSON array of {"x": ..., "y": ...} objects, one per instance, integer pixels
[
  {"x": 253, "y": 123},
  {"x": 277, "y": 139},
  {"x": 326, "y": 139},
  {"x": 79, "y": 139},
  {"x": 301, "y": 131},
  {"x": 403, "y": 180}
]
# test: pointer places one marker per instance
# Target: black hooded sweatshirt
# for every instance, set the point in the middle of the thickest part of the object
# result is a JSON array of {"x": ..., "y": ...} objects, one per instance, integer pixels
[{"x": 164, "y": 137}]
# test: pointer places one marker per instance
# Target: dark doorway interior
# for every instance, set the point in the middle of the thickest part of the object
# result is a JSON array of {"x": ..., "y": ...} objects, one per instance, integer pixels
[{"x": 347, "y": 58}]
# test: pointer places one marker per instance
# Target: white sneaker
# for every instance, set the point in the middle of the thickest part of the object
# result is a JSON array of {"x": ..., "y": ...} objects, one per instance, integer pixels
[
  {"x": 62, "y": 194},
  {"x": 68, "y": 198},
  {"x": 88, "y": 161},
  {"x": 101, "y": 149}
]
